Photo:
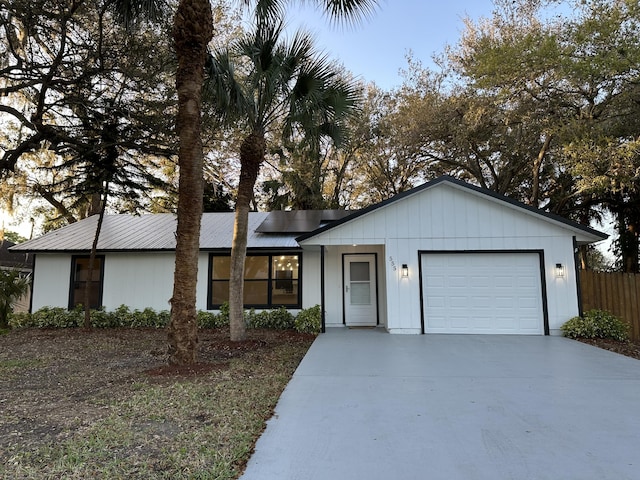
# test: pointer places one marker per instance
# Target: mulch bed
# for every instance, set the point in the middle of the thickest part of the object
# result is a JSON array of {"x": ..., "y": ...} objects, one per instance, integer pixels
[{"x": 628, "y": 348}]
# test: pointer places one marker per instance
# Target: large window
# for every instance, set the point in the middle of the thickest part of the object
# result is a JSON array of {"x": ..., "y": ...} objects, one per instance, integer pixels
[
  {"x": 80, "y": 281},
  {"x": 270, "y": 280}
]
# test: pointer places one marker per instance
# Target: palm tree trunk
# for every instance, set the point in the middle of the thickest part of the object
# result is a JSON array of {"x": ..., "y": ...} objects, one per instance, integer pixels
[
  {"x": 192, "y": 31},
  {"x": 252, "y": 154}
]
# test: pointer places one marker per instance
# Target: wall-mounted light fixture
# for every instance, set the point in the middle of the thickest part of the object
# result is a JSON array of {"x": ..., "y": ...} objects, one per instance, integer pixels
[
  {"x": 559, "y": 270},
  {"x": 405, "y": 270}
]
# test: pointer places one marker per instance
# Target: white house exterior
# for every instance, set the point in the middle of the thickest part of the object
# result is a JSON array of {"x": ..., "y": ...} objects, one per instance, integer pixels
[{"x": 445, "y": 257}]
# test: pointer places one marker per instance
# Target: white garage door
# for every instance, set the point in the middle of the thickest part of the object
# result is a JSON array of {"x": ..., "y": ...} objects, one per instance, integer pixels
[{"x": 489, "y": 293}]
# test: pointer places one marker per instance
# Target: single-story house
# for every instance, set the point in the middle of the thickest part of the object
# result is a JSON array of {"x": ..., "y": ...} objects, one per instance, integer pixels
[{"x": 445, "y": 257}]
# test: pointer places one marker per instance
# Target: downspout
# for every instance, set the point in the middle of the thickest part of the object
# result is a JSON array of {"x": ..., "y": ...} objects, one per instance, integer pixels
[
  {"x": 322, "y": 315},
  {"x": 576, "y": 254}
]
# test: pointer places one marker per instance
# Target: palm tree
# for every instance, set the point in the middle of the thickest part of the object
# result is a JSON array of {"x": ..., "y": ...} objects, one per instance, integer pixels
[
  {"x": 275, "y": 90},
  {"x": 192, "y": 32},
  {"x": 13, "y": 286}
]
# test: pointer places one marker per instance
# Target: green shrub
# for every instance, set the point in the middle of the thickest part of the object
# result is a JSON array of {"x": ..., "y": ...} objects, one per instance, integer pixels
[
  {"x": 279, "y": 319},
  {"x": 223, "y": 315},
  {"x": 596, "y": 324},
  {"x": 57, "y": 317},
  {"x": 146, "y": 318},
  {"x": 214, "y": 320},
  {"x": 20, "y": 320},
  {"x": 103, "y": 319},
  {"x": 309, "y": 320}
]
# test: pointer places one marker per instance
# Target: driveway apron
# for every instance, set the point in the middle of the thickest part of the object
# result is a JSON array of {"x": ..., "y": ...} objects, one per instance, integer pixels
[{"x": 364, "y": 404}]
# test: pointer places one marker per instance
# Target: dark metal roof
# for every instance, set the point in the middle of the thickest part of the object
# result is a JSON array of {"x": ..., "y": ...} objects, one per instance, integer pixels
[
  {"x": 446, "y": 178},
  {"x": 299, "y": 221}
]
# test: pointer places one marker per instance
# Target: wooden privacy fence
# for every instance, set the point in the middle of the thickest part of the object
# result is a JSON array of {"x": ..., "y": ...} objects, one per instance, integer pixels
[{"x": 618, "y": 293}]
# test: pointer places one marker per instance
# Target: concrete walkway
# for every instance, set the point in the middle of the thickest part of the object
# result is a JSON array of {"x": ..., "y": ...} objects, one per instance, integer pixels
[{"x": 368, "y": 405}]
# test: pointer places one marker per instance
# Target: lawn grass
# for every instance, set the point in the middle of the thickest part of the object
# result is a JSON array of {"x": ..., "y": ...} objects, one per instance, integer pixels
[{"x": 156, "y": 427}]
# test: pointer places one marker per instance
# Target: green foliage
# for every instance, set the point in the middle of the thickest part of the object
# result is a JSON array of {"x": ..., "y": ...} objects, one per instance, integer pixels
[
  {"x": 57, "y": 317},
  {"x": 280, "y": 319},
  {"x": 309, "y": 320},
  {"x": 596, "y": 324},
  {"x": 14, "y": 237},
  {"x": 212, "y": 320},
  {"x": 13, "y": 285}
]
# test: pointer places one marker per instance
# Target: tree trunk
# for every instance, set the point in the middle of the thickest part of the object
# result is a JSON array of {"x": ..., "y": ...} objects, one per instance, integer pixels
[
  {"x": 537, "y": 165},
  {"x": 92, "y": 258},
  {"x": 252, "y": 154},
  {"x": 192, "y": 31}
]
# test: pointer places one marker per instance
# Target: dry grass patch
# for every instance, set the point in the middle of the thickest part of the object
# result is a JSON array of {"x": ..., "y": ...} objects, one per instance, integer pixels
[{"x": 101, "y": 404}]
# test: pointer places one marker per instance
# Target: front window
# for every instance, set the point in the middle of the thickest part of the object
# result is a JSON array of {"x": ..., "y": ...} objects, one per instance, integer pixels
[
  {"x": 270, "y": 280},
  {"x": 81, "y": 281}
]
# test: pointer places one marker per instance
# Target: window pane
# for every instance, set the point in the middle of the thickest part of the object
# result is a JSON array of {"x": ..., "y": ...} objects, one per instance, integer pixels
[
  {"x": 219, "y": 292},
  {"x": 255, "y": 292},
  {"x": 284, "y": 288},
  {"x": 360, "y": 294},
  {"x": 285, "y": 263},
  {"x": 81, "y": 282},
  {"x": 284, "y": 296},
  {"x": 256, "y": 268},
  {"x": 263, "y": 286},
  {"x": 221, "y": 266},
  {"x": 359, "y": 271}
]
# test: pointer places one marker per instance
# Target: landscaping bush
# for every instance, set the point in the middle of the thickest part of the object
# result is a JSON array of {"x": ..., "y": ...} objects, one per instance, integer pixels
[
  {"x": 57, "y": 317},
  {"x": 309, "y": 320},
  {"x": 212, "y": 320},
  {"x": 280, "y": 319},
  {"x": 596, "y": 324}
]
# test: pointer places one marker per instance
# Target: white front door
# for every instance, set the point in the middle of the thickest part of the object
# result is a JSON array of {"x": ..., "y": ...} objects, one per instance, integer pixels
[{"x": 360, "y": 302}]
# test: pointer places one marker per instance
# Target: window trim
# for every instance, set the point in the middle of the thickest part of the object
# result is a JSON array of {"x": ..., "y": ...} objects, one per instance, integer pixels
[
  {"x": 74, "y": 259},
  {"x": 271, "y": 278}
]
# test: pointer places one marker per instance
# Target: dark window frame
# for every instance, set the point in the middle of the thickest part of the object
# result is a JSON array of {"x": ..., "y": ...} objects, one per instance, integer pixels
[
  {"x": 271, "y": 279},
  {"x": 72, "y": 280}
]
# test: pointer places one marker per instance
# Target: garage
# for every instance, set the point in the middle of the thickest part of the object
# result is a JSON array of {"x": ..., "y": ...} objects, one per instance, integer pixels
[{"x": 482, "y": 293}]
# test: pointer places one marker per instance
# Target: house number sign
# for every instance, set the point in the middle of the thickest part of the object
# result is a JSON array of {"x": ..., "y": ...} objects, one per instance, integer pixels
[{"x": 393, "y": 263}]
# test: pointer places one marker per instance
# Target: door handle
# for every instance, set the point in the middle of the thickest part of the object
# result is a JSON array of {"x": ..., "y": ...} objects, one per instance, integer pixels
[{"x": 347, "y": 288}]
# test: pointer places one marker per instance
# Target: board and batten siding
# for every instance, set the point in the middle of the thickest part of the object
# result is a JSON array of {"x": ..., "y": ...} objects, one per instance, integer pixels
[
  {"x": 142, "y": 279},
  {"x": 451, "y": 218},
  {"x": 51, "y": 281},
  {"x": 138, "y": 280}
]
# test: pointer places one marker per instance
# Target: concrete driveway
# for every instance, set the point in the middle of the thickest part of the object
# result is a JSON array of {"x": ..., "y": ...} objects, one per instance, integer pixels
[{"x": 368, "y": 405}]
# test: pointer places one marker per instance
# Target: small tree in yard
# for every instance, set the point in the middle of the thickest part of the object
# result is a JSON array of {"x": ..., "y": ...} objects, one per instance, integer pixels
[{"x": 13, "y": 286}]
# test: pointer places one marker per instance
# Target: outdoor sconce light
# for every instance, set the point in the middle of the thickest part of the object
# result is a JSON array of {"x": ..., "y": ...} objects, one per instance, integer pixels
[
  {"x": 559, "y": 270},
  {"x": 405, "y": 270}
]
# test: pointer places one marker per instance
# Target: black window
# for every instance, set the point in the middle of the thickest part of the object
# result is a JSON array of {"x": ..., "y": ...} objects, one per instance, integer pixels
[
  {"x": 80, "y": 281},
  {"x": 270, "y": 280}
]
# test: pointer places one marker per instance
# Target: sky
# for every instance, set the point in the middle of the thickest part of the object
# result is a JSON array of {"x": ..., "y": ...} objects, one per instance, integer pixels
[{"x": 375, "y": 50}]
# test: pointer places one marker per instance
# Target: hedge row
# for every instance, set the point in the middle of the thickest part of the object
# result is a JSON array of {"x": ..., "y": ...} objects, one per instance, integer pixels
[{"x": 307, "y": 321}]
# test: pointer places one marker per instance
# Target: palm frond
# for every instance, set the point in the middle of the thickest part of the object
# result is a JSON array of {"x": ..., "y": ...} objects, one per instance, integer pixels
[
  {"x": 265, "y": 80},
  {"x": 350, "y": 12},
  {"x": 131, "y": 12}
]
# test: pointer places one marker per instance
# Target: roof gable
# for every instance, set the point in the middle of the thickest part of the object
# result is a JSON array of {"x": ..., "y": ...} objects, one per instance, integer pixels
[{"x": 585, "y": 234}]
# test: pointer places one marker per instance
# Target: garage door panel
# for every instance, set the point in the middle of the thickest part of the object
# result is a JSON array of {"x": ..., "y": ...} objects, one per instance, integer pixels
[{"x": 482, "y": 293}]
